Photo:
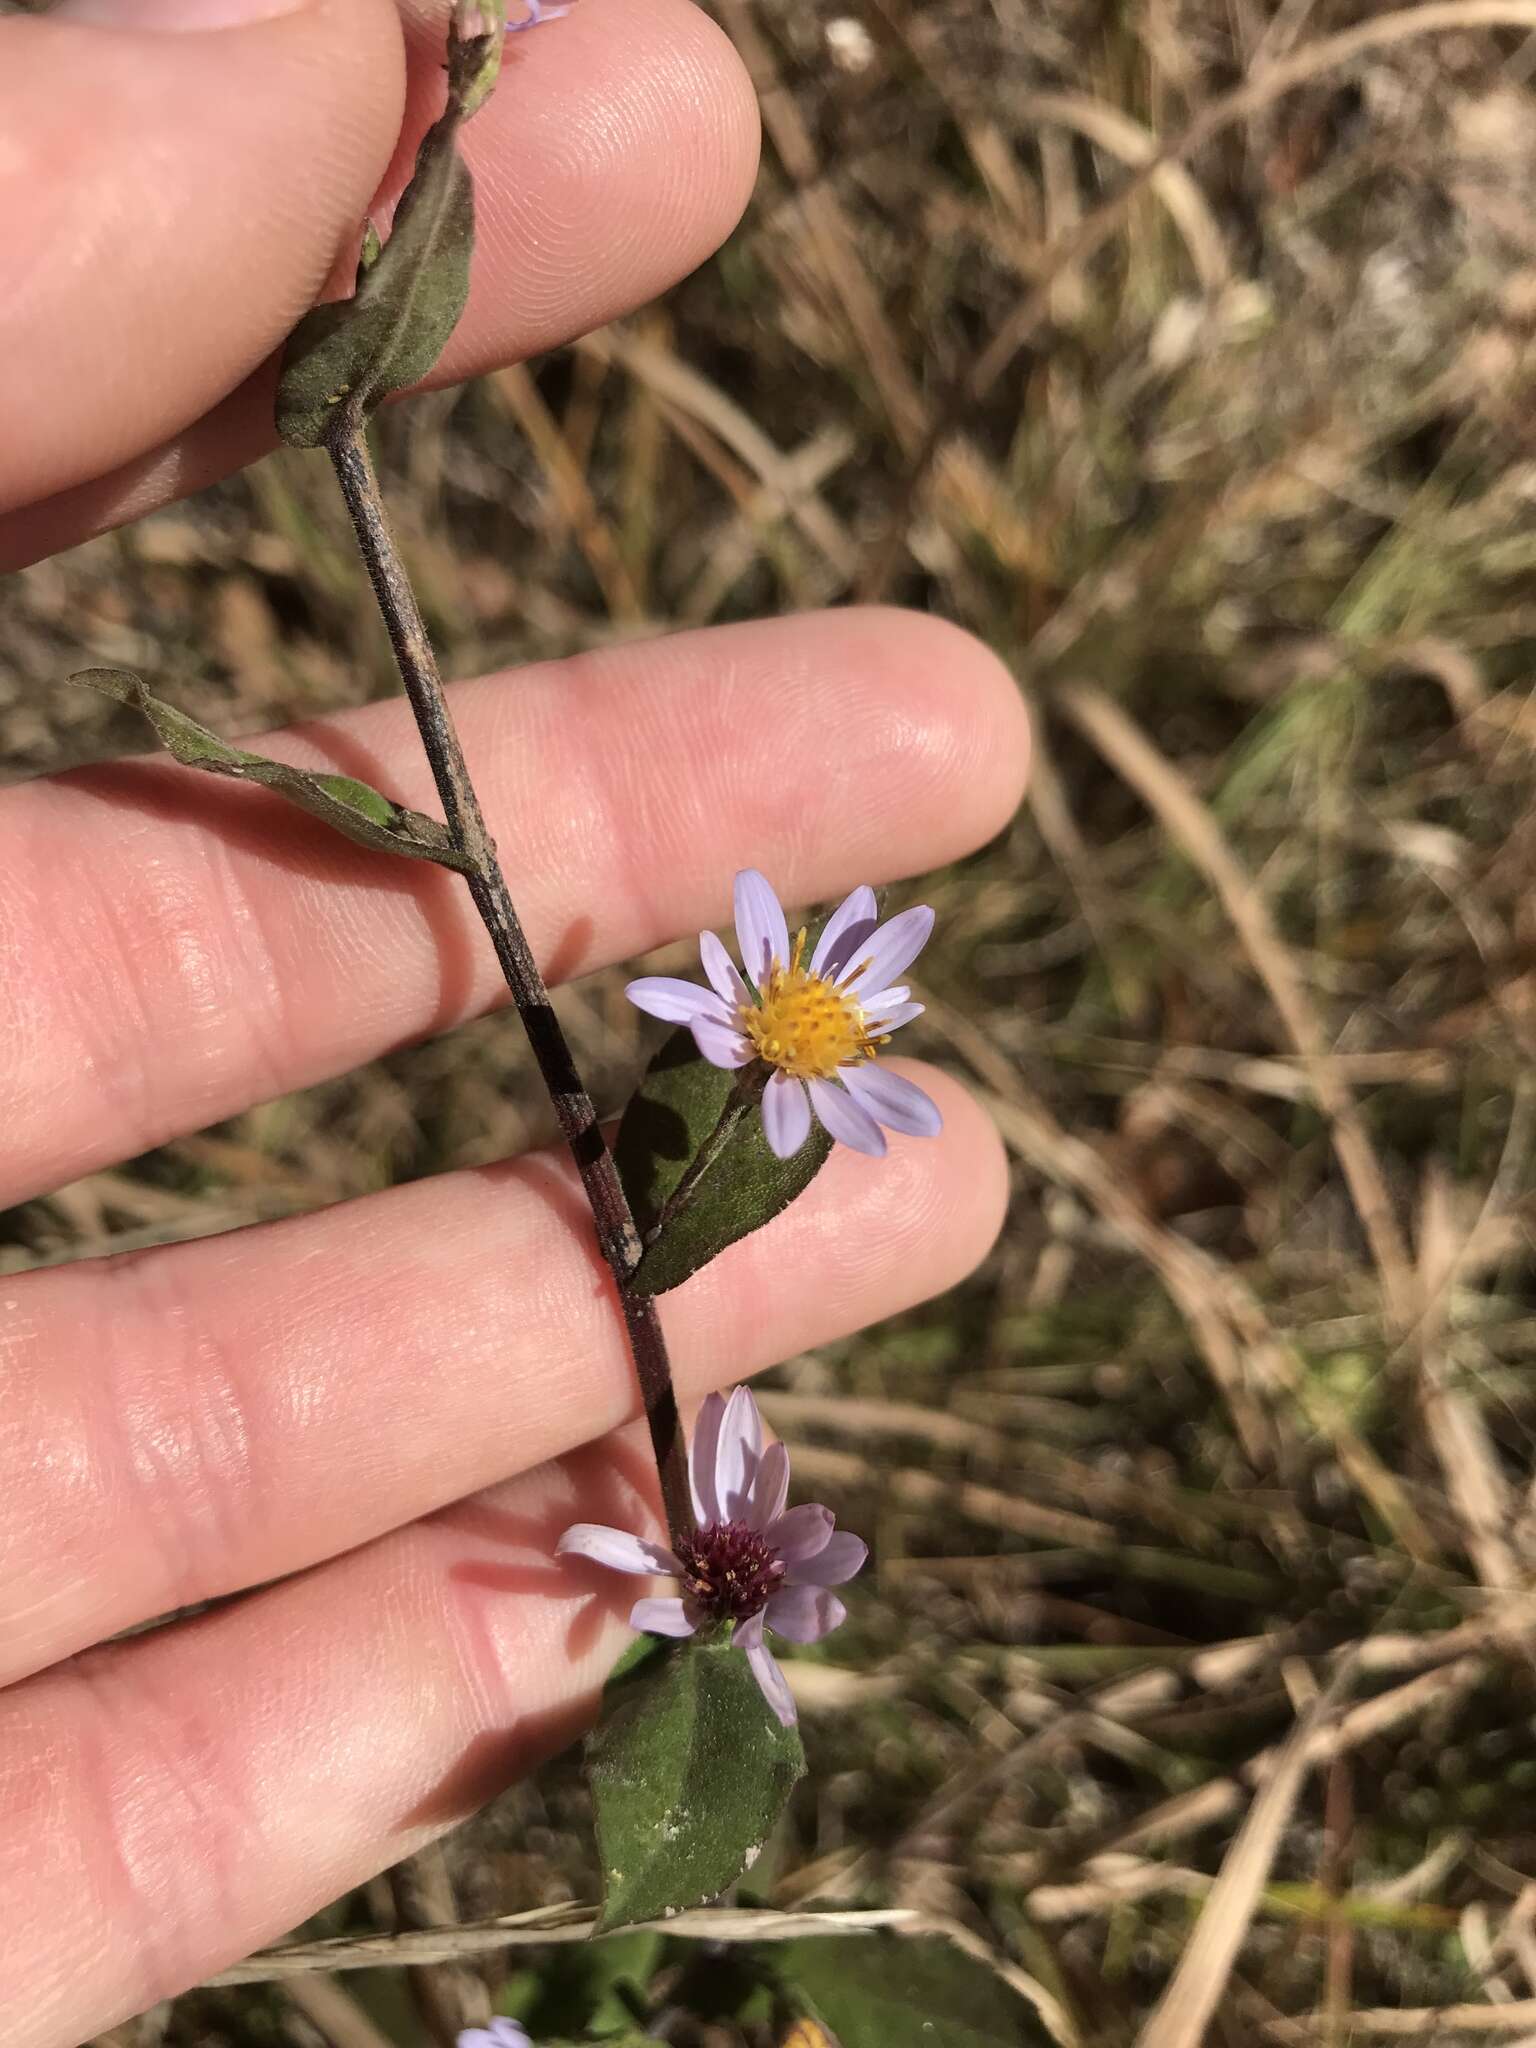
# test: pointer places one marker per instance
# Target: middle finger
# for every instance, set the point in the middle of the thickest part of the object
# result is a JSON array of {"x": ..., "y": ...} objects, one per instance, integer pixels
[{"x": 185, "y": 950}]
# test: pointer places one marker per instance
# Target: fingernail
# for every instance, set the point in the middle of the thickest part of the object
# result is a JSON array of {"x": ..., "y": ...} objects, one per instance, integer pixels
[{"x": 175, "y": 15}]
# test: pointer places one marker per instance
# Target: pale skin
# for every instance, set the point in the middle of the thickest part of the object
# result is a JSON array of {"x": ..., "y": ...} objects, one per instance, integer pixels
[{"x": 403, "y": 1401}]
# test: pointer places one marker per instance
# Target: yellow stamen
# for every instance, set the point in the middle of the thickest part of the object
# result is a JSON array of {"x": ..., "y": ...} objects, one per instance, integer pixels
[{"x": 805, "y": 1025}]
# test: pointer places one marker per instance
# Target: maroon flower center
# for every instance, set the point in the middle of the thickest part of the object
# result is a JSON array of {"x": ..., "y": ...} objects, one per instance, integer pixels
[{"x": 729, "y": 1570}]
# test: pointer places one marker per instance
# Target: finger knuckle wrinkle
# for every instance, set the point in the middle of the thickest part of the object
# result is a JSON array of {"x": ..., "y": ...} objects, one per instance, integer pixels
[
  {"x": 255, "y": 991},
  {"x": 185, "y": 1432},
  {"x": 112, "y": 984},
  {"x": 168, "y": 990},
  {"x": 159, "y": 1792}
]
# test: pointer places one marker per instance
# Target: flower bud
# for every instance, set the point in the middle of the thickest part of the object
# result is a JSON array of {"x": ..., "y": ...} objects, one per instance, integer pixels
[{"x": 474, "y": 52}]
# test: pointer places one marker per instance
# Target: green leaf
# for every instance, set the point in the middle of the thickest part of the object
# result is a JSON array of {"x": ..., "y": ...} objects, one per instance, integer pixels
[
  {"x": 879, "y": 1991},
  {"x": 675, "y": 1108},
  {"x": 621, "y": 1971},
  {"x": 370, "y": 252},
  {"x": 689, "y": 1771},
  {"x": 598, "y": 1989},
  {"x": 343, "y": 359},
  {"x": 352, "y": 807}
]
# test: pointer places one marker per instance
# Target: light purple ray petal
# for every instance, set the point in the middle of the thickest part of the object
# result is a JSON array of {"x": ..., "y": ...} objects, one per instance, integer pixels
[
  {"x": 834, "y": 1564},
  {"x": 786, "y": 1116},
  {"x": 616, "y": 1548},
  {"x": 660, "y": 1617},
  {"x": 846, "y": 1119},
  {"x": 765, "y": 1669},
  {"x": 674, "y": 1001},
  {"x": 892, "y": 950},
  {"x": 501, "y": 2033},
  {"x": 736, "y": 1455},
  {"x": 771, "y": 1488},
  {"x": 721, "y": 1044},
  {"x": 721, "y": 969},
  {"x": 539, "y": 11},
  {"x": 845, "y": 932},
  {"x": 702, "y": 1459},
  {"x": 889, "y": 1014},
  {"x": 801, "y": 1534},
  {"x": 761, "y": 933},
  {"x": 897, "y": 1102},
  {"x": 774, "y": 1685},
  {"x": 805, "y": 1613}
]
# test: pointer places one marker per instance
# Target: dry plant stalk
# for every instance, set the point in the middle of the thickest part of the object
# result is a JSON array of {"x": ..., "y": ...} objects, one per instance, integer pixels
[
  {"x": 1188, "y": 2005},
  {"x": 1191, "y": 826}
]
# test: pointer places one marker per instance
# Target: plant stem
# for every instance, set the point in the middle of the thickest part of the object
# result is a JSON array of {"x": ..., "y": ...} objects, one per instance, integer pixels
[
  {"x": 747, "y": 1093},
  {"x": 617, "y": 1237}
]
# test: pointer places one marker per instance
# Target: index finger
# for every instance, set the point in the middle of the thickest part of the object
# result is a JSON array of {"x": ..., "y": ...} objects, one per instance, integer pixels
[{"x": 616, "y": 155}]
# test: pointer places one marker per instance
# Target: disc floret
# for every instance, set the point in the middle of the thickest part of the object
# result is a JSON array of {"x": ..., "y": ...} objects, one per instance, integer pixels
[
  {"x": 729, "y": 1572},
  {"x": 803, "y": 1024}
]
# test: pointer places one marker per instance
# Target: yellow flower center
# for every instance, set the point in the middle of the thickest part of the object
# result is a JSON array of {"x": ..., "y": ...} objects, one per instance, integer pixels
[{"x": 804, "y": 1025}]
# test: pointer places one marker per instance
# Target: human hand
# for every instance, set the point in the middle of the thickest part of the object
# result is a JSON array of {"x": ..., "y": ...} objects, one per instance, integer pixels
[{"x": 414, "y": 1394}]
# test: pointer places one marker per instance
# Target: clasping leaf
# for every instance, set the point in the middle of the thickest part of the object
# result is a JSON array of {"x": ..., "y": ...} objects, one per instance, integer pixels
[
  {"x": 689, "y": 1772},
  {"x": 672, "y": 1113}
]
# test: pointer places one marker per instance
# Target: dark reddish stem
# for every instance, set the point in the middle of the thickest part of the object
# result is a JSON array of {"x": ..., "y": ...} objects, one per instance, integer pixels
[{"x": 617, "y": 1236}]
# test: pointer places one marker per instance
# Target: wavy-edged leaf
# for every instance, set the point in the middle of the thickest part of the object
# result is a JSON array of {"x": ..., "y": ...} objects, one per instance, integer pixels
[
  {"x": 676, "y": 1107},
  {"x": 689, "y": 1771},
  {"x": 349, "y": 806}
]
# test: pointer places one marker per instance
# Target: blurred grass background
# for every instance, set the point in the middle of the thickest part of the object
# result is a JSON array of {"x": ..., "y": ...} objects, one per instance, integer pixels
[{"x": 1231, "y": 456}]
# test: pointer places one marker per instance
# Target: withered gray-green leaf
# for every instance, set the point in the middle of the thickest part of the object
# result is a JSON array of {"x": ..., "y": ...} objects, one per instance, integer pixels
[
  {"x": 351, "y": 807},
  {"x": 345, "y": 358},
  {"x": 689, "y": 1771},
  {"x": 675, "y": 1108}
]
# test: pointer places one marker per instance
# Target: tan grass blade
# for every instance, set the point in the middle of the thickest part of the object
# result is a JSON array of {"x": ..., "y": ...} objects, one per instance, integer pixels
[
  {"x": 1190, "y": 824},
  {"x": 1266, "y": 84},
  {"x": 830, "y": 235},
  {"x": 1187, "y": 2006},
  {"x": 1113, "y": 131},
  {"x": 546, "y": 1927}
]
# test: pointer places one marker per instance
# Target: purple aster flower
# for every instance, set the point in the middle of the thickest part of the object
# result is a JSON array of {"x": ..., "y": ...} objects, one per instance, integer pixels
[
  {"x": 819, "y": 1023},
  {"x": 749, "y": 1562},
  {"x": 499, "y": 2034}
]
